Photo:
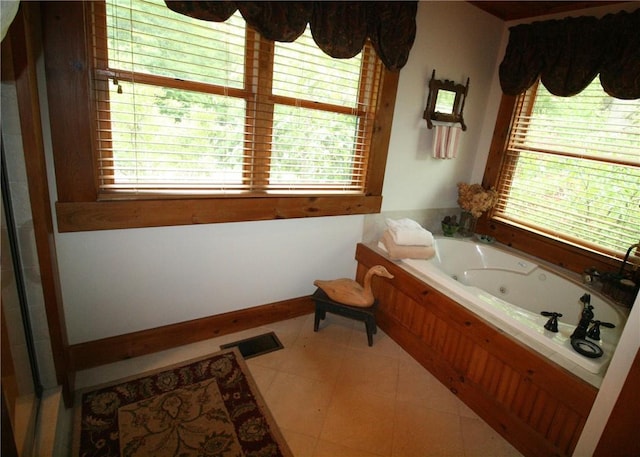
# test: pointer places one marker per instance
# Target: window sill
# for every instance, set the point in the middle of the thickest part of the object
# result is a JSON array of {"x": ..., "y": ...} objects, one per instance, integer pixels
[
  {"x": 109, "y": 215},
  {"x": 560, "y": 253}
]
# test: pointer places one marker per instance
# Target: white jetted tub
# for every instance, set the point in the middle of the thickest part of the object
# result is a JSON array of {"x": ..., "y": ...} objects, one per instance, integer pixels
[{"x": 510, "y": 291}]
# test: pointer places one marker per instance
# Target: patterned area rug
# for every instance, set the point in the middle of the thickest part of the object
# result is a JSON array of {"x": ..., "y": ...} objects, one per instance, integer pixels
[{"x": 206, "y": 407}]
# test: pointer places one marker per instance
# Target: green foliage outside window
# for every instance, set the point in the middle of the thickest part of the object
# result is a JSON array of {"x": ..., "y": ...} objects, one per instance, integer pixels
[
  {"x": 164, "y": 136},
  {"x": 578, "y": 168}
]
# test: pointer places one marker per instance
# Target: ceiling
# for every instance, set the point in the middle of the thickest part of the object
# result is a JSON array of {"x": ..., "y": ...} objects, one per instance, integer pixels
[{"x": 509, "y": 11}]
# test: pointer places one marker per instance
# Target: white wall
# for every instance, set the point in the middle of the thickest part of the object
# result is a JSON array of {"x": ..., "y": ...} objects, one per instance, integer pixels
[
  {"x": 121, "y": 281},
  {"x": 459, "y": 41}
]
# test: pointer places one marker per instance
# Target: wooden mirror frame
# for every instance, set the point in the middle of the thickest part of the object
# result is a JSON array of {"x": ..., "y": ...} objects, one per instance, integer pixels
[{"x": 455, "y": 116}]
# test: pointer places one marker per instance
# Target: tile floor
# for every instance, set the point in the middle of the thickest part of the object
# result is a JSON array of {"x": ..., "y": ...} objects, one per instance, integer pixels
[{"x": 334, "y": 396}]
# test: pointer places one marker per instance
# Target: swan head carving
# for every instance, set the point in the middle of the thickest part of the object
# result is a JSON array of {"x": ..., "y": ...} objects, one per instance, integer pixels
[
  {"x": 350, "y": 292},
  {"x": 379, "y": 270}
]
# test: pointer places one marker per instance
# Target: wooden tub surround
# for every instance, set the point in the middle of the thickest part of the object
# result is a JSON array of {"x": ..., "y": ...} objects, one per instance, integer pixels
[{"x": 538, "y": 406}]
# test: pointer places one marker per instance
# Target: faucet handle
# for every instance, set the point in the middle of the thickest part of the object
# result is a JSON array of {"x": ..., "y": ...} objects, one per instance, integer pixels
[
  {"x": 594, "y": 331},
  {"x": 590, "y": 275},
  {"x": 552, "y": 323}
]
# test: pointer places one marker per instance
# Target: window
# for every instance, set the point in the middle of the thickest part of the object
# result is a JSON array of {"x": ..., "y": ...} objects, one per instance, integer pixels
[
  {"x": 191, "y": 108},
  {"x": 212, "y": 119},
  {"x": 571, "y": 169}
]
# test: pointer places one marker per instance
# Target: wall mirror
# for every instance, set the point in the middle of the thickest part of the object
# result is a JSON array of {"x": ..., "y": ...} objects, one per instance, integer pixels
[{"x": 445, "y": 102}]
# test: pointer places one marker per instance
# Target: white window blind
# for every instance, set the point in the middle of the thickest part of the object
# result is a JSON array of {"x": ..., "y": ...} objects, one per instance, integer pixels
[
  {"x": 572, "y": 169},
  {"x": 187, "y": 106},
  {"x": 326, "y": 147}
]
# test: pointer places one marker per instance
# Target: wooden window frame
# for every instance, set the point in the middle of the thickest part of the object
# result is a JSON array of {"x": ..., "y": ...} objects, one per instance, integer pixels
[
  {"x": 565, "y": 255},
  {"x": 79, "y": 207}
]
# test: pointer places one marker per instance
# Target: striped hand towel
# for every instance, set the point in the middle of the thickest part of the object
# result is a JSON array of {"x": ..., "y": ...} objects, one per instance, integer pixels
[{"x": 445, "y": 141}]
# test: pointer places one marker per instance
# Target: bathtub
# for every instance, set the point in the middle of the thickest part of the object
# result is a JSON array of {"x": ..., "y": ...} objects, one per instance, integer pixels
[{"x": 510, "y": 289}]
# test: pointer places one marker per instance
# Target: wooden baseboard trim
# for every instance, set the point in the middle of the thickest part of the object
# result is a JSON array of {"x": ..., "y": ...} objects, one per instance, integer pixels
[{"x": 121, "y": 347}]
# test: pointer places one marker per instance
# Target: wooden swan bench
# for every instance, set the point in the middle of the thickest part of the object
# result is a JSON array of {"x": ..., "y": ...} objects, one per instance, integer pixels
[{"x": 324, "y": 304}]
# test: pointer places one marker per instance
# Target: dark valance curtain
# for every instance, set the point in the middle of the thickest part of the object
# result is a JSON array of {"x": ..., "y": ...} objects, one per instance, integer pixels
[
  {"x": 567, "y": 54},
  {"x": 339, "y": 28}
]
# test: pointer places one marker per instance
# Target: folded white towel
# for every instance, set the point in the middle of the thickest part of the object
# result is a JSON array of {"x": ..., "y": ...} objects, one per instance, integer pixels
[
  {"x": 407, "y": 232},
  {"x": 397, "y": 252},
  {"x": 411, "y": 237},
  {"x": 405, "y": 223}
]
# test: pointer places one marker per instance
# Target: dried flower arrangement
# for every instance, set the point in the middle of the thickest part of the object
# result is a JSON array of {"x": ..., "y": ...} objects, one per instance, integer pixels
[{"x": 476, "y": 199}]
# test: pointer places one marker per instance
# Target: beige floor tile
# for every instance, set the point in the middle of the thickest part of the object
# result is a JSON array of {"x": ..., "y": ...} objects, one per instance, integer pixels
[
  {"x": 301, "y": 445},
  {"x": 421, "y": 432},
  {"x": 298, "y": 403},
  {"x": 273, "y": 360},
  {"x": 414, "y": 382},
  {"x": 334, "y": 396},
  {"x": 318, "y": 361},
  {"x": 404, "y": 356},
  {"x": 358, "y": 338},
  {"x": 418, "y": 385},
  {"x": 480, "y": 440},
  {"x": 465, "y": 411},
  {"x": 329, "y": 449},
  {"x": 333, "y": 329},
  {"x": 288, "y": 331},
  {"x": 287, "y": 339},
  {"x": 382, "y": 344},
  {"x": 263, "y": 376},
  {"x": 359, "y": 420},
  {"x": 369, "y": 373}
]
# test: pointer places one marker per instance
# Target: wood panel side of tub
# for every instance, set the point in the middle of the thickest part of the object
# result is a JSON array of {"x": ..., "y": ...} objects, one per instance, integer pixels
[{"x": 538, "y": 406}]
